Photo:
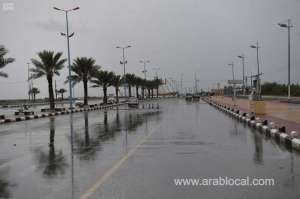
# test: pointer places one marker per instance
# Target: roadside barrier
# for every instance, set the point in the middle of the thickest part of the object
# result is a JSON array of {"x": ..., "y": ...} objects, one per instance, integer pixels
[
  {"x": 63, "y": 111},
  {"x": 19, "y": 118},
  {"x": 268, "y": 128}
]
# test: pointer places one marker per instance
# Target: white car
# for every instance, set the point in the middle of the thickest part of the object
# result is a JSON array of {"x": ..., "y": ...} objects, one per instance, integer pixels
[
  {"x": 133, "y": 102},
  {"x": 79, "y": 103},
  {"x": 111, "y": 100}
]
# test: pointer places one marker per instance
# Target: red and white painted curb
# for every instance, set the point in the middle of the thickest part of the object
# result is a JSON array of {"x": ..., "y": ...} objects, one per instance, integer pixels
[
  {"x": 43, "y": 115},
  {"x": 266, "y": 127}
]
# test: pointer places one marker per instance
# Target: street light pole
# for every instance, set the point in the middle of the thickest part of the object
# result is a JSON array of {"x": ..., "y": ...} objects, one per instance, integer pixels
[
  {"x": 234, "y": 91},
  {"x": 68, "y": 46},
  {"x": 124, "y": 62},
  {"x": 156, "y": 71},
  {"x": 243, "y": 60},
  {"x": 28, "y": 81},
  {"x": 69, "y": 63},
  {"x": 144, "y": 71},
  {"x": 288, "y": 26},
  {"x": 256, "y": 46}
]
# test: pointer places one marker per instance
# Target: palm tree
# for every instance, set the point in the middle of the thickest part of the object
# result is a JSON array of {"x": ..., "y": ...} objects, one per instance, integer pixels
[
  {"x": 150, "y": 85},
  {"x": 83, "y": 68},
  {"x": 143, "y": 85},
  {"x": 129, "y": 79},
  {"x": 157, "y": 82},
  {"x": 104, "y": 79},
  {"x": 137, "y": 83},
  {"x": 50, "y": 64},
  {"x": 116, "y": 82},
  {"x": 61, "y": 92},
  {"x": 4, "y": 61},
  {"x": 34, "y": 91}
]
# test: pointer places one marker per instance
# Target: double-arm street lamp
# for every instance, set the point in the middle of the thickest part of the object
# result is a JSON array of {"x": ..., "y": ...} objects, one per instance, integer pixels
[
  {"x": 256, "y": 46},
  {"x": 68, "y": 45},
  {"x": 288, "y": 25},
  {"x": 244, "y": 79},
  {"x": 124, "y": 62},
  {"x": 144, "y": 62}
]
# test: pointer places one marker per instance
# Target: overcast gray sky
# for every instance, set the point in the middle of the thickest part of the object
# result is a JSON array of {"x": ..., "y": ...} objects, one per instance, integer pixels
[{"x": 178, "y": 36}]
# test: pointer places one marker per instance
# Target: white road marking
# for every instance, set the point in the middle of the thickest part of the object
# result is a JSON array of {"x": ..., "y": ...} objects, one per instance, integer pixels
[{"x": 113, "y": 169}]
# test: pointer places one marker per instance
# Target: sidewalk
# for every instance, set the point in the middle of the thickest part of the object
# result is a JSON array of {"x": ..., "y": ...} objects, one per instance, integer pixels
[{"x": 283, "y": 114}]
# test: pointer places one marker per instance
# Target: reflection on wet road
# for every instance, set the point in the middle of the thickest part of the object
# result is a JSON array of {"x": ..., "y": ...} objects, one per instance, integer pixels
[{"x": 140, "y": 152}]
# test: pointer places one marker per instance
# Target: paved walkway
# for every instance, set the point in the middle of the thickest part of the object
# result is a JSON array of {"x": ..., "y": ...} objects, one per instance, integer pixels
[{"x": 283, "y": 114}]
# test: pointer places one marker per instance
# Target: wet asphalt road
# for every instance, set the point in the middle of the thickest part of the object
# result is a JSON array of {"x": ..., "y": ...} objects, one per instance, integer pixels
[{"x": 137, "y": 154}]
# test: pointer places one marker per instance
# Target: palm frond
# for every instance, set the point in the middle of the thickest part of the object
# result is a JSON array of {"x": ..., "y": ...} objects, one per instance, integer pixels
[
  {"x": 38, "y": 64},
  {"x": 37, "y": 75},
  {"x": 49, "y": 64},
  {"x": 3, "y": 51},
  {"x": 5, "y": 61},
  {"x": 3, "y": 74}
]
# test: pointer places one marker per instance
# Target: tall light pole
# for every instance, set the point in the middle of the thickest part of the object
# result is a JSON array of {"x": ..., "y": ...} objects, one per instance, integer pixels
[
  {"x": 181, "y": 83},
  {"x": 243, "y": 61},
  {"x": 256, "y": 46},
  {"x": 288, "y": 25},
  {"x": 28, "y": 80},
  {"x": 144, "y": 62},
  {"x": 124, "y": 62},
  {"x": 232, "y": 70},
  {"x": 68, "y": 45}
]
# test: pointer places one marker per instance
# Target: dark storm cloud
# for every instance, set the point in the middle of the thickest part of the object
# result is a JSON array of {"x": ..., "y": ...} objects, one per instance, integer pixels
[{"x": 178, "y": 36}]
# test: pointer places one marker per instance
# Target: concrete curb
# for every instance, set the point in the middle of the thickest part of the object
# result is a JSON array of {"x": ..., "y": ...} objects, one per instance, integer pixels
[
  {"x": 43, "y": 115},
  {"x": 265, "y": 127}
]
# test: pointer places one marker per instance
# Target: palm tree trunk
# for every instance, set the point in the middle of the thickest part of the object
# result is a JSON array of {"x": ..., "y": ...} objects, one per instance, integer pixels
[
  {"x": 85, "y": 89},
  {"x": 52, "y": 132},
  {"x": 86, "y": 128},
  {"x": 104, "y": 94},
  {"x": 151, "y": 92},
  {"x": 62, "y": 96},
  {"x": 51, "y": 95},
  {"x": 143, "y": 92},
  {"x": 137, "y": 92},
  {"x": 33, "y": 97},
  {"x": 157, "y": 92},
  {"x": 129, "y": 90},
  {"x": 117, "y": 93}
]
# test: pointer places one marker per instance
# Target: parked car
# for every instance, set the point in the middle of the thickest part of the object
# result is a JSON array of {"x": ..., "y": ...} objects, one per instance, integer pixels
[
  {"x": 111, "y": 100},
  {"x": 79, "y": 103},
  {"x": 133, "y": 102}
]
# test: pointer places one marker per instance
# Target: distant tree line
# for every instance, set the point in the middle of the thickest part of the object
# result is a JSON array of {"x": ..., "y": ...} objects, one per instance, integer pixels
[
  {"x": 268, "y": 88},
  {"x": 273, "y": 88}
]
